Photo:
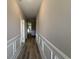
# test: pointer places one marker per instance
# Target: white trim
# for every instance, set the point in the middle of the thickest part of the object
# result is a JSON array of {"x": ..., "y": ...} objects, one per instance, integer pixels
[
  {"x": 39, "y": 40},
  {"x": 51, "y": 55},
  {"x": 12, "y": 42},
  {"x": 49, "y": 50},
  {"x": 16, "y": 53},
  {"x": 15, "y": 46},
  {"x": 13, "y": 49},
  {"x": 22, "y": 27},
  {"x": 47, "y": 46},
  {"x": 56, "y": 57},
  {"x": 56, "y": 49},
  {"x": 12, "y": 39},
  {"x": 41, "y": 51},
  {"x": 43, "y": 45}
]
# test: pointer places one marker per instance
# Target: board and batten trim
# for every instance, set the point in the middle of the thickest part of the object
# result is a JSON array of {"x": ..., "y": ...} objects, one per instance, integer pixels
[
  {"x": 12, "y": 43},
  {"x": 46, "y": 42},
  {"x": 40, "y": 49}
]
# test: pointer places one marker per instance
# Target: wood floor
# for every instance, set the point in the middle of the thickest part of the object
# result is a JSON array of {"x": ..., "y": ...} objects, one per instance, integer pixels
[{"x": 30, "y": 50}]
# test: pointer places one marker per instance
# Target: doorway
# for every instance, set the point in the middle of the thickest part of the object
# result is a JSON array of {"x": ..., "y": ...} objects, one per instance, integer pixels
[
  {"x": 22, "y": 22},
  {"x": 31, "y": 27}
]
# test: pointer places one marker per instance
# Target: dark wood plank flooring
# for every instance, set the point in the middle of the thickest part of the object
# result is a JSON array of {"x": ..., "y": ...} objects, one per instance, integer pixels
[{"x": 30, "y": 50}]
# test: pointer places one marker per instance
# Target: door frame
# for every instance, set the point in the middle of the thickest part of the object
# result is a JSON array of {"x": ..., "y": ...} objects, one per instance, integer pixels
[{"x": 22, "y": 27}]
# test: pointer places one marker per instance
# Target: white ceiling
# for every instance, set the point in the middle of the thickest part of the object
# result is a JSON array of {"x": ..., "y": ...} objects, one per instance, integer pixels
[{"x": 30, "y": 7}]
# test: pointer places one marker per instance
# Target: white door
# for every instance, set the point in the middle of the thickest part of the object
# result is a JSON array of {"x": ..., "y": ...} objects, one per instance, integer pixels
[{"x": 22, "y": 31}]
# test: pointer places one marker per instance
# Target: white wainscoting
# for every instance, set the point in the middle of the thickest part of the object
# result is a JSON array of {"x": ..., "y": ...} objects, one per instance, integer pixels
[
  {"x": 13, "y": 47},
  {"x": 48, "y": 50}
]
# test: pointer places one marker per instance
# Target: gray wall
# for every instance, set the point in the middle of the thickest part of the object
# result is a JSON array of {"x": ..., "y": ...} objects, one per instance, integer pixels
[
  {"x": 13, "y": 19},
  {"x": 54, "y": 23}
]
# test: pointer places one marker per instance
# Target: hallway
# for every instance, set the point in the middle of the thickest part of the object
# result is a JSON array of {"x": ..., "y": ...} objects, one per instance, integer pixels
[
  {"x": 47, "y": 20},
  {"x": 30, "y": 50}
]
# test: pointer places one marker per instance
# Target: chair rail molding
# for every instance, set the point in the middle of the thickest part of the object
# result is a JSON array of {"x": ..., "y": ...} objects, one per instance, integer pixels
[{"x": 54, "y": 51}]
